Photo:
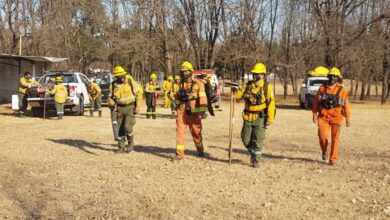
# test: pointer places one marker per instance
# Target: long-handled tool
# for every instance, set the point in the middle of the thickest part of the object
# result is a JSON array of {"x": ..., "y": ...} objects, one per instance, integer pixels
[
  {"x": 233, "y": 88},
  {"x": 44, "y": 106}
]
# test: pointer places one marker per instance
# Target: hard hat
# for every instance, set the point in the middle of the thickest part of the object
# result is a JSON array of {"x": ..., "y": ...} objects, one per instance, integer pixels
[
  {"x": 335, "y": 72},
  {"x": 153, "y": 76},
  {"x": 259, "y": 68},
  {"x": 170, "y": 78},
  {"x": 186, "y": 66},
  {"x": 320, "y": 70},
  {"x": 177, "y": 78},
  {"x": 119, "y": 71},
  {"x": 58, "y": 79}
]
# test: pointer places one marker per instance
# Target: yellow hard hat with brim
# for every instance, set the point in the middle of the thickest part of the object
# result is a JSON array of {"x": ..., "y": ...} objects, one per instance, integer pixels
[
  {"x": 153, "y": 76},
  {"x": 259, "y": 68},
  {"x": 335, "y": 72},
  {"x": 187, "y": 66},
  {"x": 119, "y": 71}
]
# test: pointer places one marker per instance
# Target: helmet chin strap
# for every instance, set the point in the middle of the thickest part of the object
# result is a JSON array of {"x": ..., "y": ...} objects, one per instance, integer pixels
[{"x": 332, "y": 80}]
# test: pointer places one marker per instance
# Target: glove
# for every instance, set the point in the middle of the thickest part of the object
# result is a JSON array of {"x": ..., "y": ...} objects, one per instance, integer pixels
[{"x": 136, "y": 110}]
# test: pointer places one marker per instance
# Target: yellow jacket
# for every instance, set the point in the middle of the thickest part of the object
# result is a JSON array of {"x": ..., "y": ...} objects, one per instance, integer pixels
[
  {"x": 256, "y": 102},
  {"x": 124, "y": 93},
  {"x": 151, "y": 88},
  {"x": 174, "y": 90},
  {"x": 24, "y": 83},
  {"x": 167, "y": 86},
  {"x": 60, "y": 93},
  {"x": 94, "y": 90}
]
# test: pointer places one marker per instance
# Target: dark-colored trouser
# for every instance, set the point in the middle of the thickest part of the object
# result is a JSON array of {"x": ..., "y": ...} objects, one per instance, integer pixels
[
  {"x": 126, "y": 122},
  {"x": 59, "y": 108},
  {"x": 252, "y": 135},
  {"x": 97, "y": 102},
  {"x": 151, "y": 108},
  {"x": 22, "y": 102}
]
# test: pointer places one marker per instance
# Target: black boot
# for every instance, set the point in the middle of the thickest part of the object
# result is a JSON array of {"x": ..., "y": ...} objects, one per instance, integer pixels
[
  {"x": 254, "y": 161},
  {"x": 154, "y": 116},
  {"x": 100, "y": 113}
]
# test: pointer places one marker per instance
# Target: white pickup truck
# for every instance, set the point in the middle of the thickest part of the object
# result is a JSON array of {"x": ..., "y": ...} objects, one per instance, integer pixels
[
  {"x": 309, "y": 89},
  {"x": 75, "y": 82}
]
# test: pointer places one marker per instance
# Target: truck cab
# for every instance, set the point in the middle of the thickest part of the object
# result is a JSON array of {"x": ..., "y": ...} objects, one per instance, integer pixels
[{"x": 309, "y": 89}]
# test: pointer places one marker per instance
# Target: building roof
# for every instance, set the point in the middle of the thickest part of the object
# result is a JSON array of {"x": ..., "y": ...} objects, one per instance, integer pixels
[{"x": 32, "y": 58}]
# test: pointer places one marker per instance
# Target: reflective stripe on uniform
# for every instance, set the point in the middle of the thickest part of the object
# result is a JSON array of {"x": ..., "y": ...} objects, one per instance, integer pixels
[
  {"x": 180, "y": 147},
  {"x": 202, "y": 94},
  {"x": 129, "y": 98},
  {"x": 200, "y": 109}
]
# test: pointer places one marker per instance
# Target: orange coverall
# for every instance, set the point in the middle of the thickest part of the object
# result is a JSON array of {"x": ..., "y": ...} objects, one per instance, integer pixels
[
  {"x": 191, "y": 117},
  {"x": 330, "y": 120}
]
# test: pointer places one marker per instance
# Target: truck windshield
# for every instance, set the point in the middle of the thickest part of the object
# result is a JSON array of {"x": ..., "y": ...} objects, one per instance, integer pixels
[
  {"x": 317, "y": 82},
  {"x": 103, "y": 80},
  {"x": 66, "y": 78}
]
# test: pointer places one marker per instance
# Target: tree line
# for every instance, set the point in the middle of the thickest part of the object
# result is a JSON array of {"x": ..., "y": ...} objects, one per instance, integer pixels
[{"x": 290, "y": 36}]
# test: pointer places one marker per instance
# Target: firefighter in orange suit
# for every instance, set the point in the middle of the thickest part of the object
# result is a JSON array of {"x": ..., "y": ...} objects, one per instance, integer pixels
[
  {"x": 330, "y": 106},
  {"x": 192, "y": 104}
]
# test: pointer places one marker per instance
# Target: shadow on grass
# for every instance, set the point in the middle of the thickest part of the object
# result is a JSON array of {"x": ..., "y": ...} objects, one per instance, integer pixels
[
  {"x": 269, "y": 156},
  {"x": 169, "y": 153},
  {"x": 81, "y": 144}
]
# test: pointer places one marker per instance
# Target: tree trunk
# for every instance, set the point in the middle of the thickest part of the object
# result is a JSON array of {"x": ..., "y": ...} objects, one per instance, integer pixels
[
  {"x": 363, "y": 90},
  {"x": 368, "y": 93},
  {"x": 385, "y": 83},
  {"x": 356, "y": 89},
  {"x": 351, "y": 88}
]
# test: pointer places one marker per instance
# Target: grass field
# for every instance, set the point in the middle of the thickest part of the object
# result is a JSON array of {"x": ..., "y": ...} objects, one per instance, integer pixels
[{"x": 67, "y": 169}]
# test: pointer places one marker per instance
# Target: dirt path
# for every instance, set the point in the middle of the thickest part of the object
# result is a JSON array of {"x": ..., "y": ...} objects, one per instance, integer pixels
[{"x": 67, "y": 169}]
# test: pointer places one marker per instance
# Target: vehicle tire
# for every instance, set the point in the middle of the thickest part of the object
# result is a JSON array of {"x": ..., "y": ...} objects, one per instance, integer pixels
[
  {"x": 37, "y": 111},
  {"x": 80, "y": 109},
  {"x": 301, "y": 104},
  {"x": 307, "y": 104}
]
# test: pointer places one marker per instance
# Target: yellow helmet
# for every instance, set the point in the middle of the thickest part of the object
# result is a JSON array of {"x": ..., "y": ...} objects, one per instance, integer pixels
[
  {"x": 259, "y": 68},
  {"x": 58, "y": 79},
  {"x": 177, "y": 78},
  {"x": 321, "y": 70},
  {"x": 170, "y": 78},
  {"x": 187, "y": 66},
  {"x": 119, "y": 71},
  {"x": 335, "y": 72},
  {"x": 153, "y": 76}
]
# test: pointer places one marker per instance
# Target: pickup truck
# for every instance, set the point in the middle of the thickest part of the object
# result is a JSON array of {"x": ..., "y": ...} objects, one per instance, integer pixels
[
  {"x": 309, "y": 89},
  {"x": 76, "y": 84},
  {"x": 104, "y": 80}
]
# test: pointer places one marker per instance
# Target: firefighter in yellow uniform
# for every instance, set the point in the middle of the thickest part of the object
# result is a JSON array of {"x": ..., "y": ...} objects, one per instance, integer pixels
[
  {"x": 25, "y": 82},
  {"x": 173, "y": 93},
  {"x": 151, "y": 93},
  {"x": 95, "y": 98},
  {"x": 123, "y": 98},
  {"x": 192, "y": 105},
  {"x": 60, "y": 96},
  {"x": 259, "y": 111},
  {"x": 167, "y": 86}
]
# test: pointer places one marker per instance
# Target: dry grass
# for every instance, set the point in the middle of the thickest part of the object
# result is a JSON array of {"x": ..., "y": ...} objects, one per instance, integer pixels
[{"x": 67, "y": 169}]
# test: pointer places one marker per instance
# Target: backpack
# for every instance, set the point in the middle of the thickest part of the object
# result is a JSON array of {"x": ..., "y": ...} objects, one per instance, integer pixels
[{"x": 330, "y": 101}]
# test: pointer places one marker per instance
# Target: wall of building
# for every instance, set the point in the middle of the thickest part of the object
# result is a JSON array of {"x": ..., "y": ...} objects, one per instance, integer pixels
[{"x": 9, "y": 76}]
